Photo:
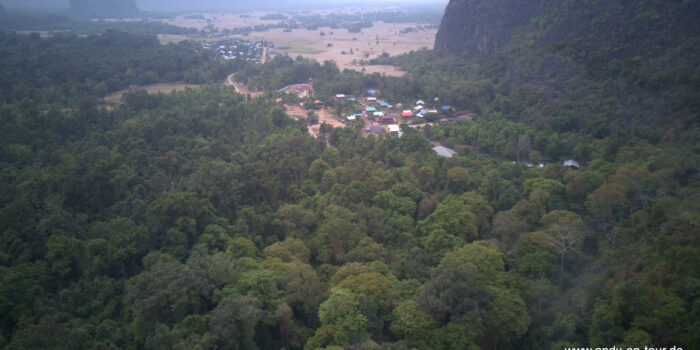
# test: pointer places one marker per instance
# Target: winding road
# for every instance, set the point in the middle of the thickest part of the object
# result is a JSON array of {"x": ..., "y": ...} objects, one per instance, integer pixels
[
  {"x": 296, "y": 112},
  {"x": 242, "y": 88}
]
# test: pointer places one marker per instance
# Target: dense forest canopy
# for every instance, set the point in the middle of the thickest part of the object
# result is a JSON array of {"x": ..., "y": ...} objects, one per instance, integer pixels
[
  {"x": 208, "y": 219},
  {"x": 62, "y": 23},
  {"x": 66, "y": 68}
]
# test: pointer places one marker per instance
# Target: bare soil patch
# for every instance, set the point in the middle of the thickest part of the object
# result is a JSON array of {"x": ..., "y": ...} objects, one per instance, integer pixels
[
  {"x": 172, "y": 38},
  {"x": 116, "y": 97},
  {"x": 348, "y": 49}
]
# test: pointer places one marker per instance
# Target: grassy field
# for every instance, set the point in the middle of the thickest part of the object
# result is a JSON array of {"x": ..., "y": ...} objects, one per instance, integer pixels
[
  {"x": 338, "y": 45},
  {"x": 116, "y": 97},
  {"x": 346, "y": 48},
  {"x": 171, "y": 38},
  {"x": 302, "y": 47}
]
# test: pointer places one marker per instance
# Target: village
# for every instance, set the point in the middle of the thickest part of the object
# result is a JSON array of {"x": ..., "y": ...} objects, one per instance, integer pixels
[
  {"x": 231, "y": 49},
  {"x": 371, "y": 113},
  {"x": 376, "y": 115}
]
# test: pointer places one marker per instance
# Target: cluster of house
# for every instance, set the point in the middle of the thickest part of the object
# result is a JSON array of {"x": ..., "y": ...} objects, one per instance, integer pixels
[
  {"x": 250, "y": 52},
  {"x": 378, "y": 114},
  {"x": 301, "y": 90},
  {"x": 570, "y": 163}
]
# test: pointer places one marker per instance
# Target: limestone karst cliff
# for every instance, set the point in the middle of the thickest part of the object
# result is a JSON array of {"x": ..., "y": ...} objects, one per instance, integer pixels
[{"x": 477, "y": 27}]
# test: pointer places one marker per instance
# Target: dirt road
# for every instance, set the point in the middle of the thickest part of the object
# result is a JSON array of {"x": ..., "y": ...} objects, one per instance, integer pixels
[{"x": 241, "y": 88}]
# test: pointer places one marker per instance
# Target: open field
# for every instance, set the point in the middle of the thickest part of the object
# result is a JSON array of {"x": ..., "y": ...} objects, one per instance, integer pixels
[
  {"x": 301, "y": 47},
  {"x": 324, "y": 116},
  {"x": 220, "y": 21},
  {"x": 172, "y": 38},
  {"x": 116, "y": 97},
  {"x": 338, "y": 45}
]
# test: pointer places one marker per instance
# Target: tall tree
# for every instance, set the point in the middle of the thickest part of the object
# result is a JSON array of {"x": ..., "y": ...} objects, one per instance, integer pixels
[{"x": 566, "y": 230}]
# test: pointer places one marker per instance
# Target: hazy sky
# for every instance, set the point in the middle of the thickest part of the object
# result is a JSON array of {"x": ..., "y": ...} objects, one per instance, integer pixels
[
  {"x": 164, "y": 5},
  {"x": 203, "y": 5},
  {"x": 47, "y": 5}
]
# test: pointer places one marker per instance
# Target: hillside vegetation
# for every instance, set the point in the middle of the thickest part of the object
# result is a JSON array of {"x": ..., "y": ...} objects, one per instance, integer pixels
[
  {"x": 67, "y": 69},
  {"x": 206, "y": 219}
]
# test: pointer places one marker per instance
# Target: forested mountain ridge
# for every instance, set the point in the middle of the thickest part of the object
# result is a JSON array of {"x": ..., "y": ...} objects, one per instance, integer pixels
[
  {"x": 573, "y": 64},
  {"x": 481, "y": 27}
]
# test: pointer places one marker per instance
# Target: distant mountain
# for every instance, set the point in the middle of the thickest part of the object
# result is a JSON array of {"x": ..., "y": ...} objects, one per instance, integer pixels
[
  {"x": 3, "y": 13},
  {"x": 103, "y": 8},
  {"x": 212, "y": 5}
]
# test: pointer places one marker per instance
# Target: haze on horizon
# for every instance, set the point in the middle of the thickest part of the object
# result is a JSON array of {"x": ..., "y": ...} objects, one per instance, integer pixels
[{"x": 218, "y": 5}]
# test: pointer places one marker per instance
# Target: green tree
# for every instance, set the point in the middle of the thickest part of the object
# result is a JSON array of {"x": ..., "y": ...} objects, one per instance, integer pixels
[
  {"x": 242, "y": 247},
  {"x": 608, "y": 204},
  {"x": 439, "y": 242},
  {"x": 67, "y": 257},
  {"x": 342, "y": 310},
  {"x": 326, "y": 337},
  {"x": 296, "y": 219},
  {"x": 459, "y": 179},
  {"x": 507, "y": 228},
  {"x": 233, "y": 323},
  {"x": 259, "y": 284},
  {"x": 410, "y": 321},
  {"x": 217, "y": 181},
  {"x": 605, "y": 328},
  {"x": 566, "y": 230},
  {"x": 165, "y": 293},
  {"x": 387, "y": 201},
  {"x": 317, "y": 168},
  {"x": 454, "y": 217},
  {"x": 507, "y": 319},
  {"x": 453, "y": 292},
  {"x": 278, "y": 116}
]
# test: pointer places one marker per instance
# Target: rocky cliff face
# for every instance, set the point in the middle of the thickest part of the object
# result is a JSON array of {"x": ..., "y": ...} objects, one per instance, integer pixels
[
  {"x": 613, "y": 28},
  {"x": 103, "y": 8},
  {"x": 478, "y": 27}
]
